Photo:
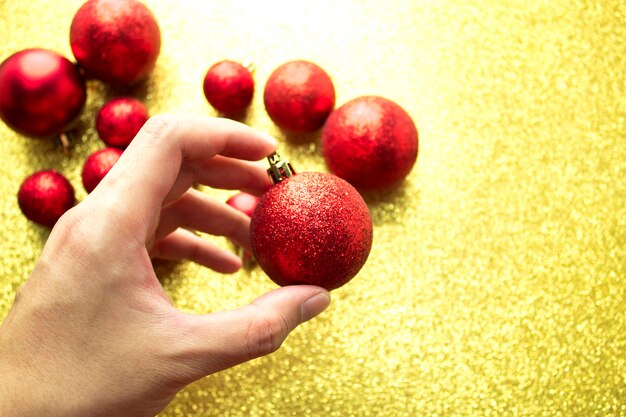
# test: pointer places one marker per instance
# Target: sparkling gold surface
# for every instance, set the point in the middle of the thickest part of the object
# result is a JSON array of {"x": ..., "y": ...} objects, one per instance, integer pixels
[{"x": 496, "y": 284}]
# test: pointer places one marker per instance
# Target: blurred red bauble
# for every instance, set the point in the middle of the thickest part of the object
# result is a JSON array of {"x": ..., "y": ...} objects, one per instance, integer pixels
[
  {"x": 371, "y": 142},
  {"x": 299, "y": 96},
  {"x": 229, "y": 87},
  {"x": 119, "y": 120},
  {"x": 41, "y": 92},
  {"x": 243, "y": 202},
  {"x": 97, "y": 165},
  {"x": 117, "y": 41},
  {"x": 44, "y": 196},
  {"x": 311, "y": 228}
]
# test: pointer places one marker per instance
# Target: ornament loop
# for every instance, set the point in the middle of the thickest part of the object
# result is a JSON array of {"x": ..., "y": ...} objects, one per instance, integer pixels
[{"x": 280, "y": 169}]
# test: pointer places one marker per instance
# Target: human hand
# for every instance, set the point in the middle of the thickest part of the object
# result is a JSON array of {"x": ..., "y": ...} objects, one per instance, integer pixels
[{"x": 92, "y": 332}]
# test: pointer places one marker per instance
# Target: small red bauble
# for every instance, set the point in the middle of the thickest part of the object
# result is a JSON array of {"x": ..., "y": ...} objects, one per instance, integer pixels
[
  {"x": 117, "y": 41},
  {"x": 371, "y": 142},
  {"x": 243, "y": 202},
  {"x": 229, "y": 87},
  {"x": 119, "y": 120},
  {"x": 299, "y": 96},
  {"x": 311, "y": 228},
  {"x": 44, "y": 196},
  {"x": 97, "y": 165},
  {"x": 41, "y": 92}
]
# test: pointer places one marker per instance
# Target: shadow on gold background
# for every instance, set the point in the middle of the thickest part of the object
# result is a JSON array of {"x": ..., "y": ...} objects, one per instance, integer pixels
[{"x": 496, "y": 284}]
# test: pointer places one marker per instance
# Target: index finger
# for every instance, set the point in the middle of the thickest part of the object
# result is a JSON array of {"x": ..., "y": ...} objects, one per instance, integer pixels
[{"x": 148, "y": 168}]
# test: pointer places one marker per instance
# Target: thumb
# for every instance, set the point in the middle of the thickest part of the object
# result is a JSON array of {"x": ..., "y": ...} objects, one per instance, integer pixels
[{"x": 220, "y": 340}]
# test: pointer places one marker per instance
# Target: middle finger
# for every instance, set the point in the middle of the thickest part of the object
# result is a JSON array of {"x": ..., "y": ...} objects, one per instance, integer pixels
[{"x": 197, "y": 211}]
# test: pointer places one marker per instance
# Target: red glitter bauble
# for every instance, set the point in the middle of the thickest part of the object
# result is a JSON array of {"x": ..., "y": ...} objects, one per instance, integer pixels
[
  {"x": 371, "y": 142},
  {"x": 119, "y": 120},
  {"x": 243, "y": 202},
  {"x": 311, "y": 228},
  {"x": 41, "y": 92},
  {"x": 117, "y": 41},
  {"x": 299, "y": 96},
  {"x": 44, "y": 196},
  {"x": 98, "y": 165},
  {"x": 229, "y": 87}
]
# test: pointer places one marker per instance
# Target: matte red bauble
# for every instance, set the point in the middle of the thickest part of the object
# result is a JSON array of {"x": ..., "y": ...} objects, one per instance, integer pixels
[
  {"x": 44, "y": 196},
  {"x": 299, "y": 96},
  {"x": 371, "y": 142},
  {"x": 97, "y": 165},
  {"x": 117, "y": 41},
  {"x": 119, "y": 120},
  {"x": 243, "y": 202},
  {"x": 41, "y": 92},
  {"x": 229, "y": 87},
  {"x": 311, "y": 228}
]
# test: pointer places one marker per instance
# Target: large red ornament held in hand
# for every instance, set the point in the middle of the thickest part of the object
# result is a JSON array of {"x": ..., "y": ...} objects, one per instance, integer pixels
[
  {"x": 310, "y": 228},
  {"x": 371, "y": 142},
  {"x": 117, "y": 41},
  {"x": 44, "y": 196},
  {"x": 299, "y": 96},
  {"x": 41, "y": 92}
]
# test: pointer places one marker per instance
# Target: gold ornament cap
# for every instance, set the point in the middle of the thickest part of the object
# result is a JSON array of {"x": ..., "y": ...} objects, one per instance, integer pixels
[{"x": 280, "y": 169}]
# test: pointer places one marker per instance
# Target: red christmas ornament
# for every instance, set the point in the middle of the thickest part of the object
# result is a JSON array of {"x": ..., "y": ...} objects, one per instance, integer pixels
[
  {"x": 371, "y": 142},
  {"x": 117, "y": 41},
  {"x": 299, "y": 96},
  {"x": 97, "y": 165},
  {"x": 44, "y": 196},
  {"x": 243, "y": 202},
  {"x": 310, "y": 228},
  {"x": 41, "y": 92},
  {"x": 119, "y": 120},
  {"x": 229, "y": 87}
]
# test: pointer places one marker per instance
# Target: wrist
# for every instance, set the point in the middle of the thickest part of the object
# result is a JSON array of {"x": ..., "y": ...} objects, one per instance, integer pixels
[
  {"x": 11, "y": 401},
  {"x": 21, "y": 393}
]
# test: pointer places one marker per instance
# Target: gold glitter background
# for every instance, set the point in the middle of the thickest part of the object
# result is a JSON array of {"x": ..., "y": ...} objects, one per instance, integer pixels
[{"x": 496, "y": 284}]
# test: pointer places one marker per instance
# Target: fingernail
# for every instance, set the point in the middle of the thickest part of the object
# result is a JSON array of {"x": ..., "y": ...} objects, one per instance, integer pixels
[{"x": 314, "y": 306}]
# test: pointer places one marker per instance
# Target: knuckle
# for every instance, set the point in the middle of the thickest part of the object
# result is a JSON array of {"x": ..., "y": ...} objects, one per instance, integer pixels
[
  {"x": 84, "y": 231},
  {"x": 266, "y": 334},
  {"x": 160, "y": 125},
  {"x": 195, "y": 251},
  {"x": 238, "y": 226},
  {"x": 109, "y": 205},
  {"x": 19, "y": 294},
  {"x": 69, "y": 230}
]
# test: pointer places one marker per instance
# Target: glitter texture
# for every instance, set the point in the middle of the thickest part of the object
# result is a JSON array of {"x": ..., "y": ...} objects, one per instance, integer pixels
[
  {"x": 298, "y": 96},
  {"x": 371, "y": 142},
  {"x": 311, "y": 228},
  {"x": 229, "y": 87},
  {"x": 97, "y": 165},
  {"x": 117, "y": 41},
  {"x": 41, "y": 92},
  {"x": 496, "y": 283},
  {"x": 119, "y": 120},
  {"x": 44, "y": 196}
]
